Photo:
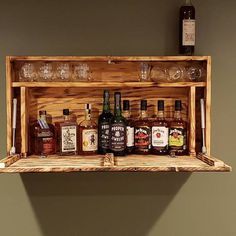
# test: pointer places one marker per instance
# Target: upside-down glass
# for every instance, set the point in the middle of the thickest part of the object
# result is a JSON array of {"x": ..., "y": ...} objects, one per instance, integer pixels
[
  {"x": 63, "y": 71},
  {"x": 82, "y": 72},
  {"x": 27, "y": 72},
  {"x": 46, "y": 71}
]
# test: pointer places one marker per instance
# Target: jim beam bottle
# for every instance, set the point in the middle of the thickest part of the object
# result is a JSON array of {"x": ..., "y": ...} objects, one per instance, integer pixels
[
  {"x": 88, "y": 134},
  {"x": 142, "y": 131},
  {"x": 104, "y": 125},
  {"x": 178, "y": 132},
  {"x": 42, "y": 141},
  {"x": 160, "y": 131},
  {"x": 129, "y": 128},
  {"x": 118, "y": 129},
  {"x": 67, "y": 135}
]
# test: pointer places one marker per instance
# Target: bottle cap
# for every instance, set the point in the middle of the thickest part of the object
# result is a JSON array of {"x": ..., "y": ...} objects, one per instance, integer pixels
[
  {"x": 126, "y": 105},
  {"x": 178, "y": 105},
  {"x": 106, "y": 94},
  {"x": 160, "y": 105},
  {"x": 144, "y": 105},
  {"x": 88, "y": 106},
  {"x": 42, "y": 113},
  {"x": 66, "y": 112}
]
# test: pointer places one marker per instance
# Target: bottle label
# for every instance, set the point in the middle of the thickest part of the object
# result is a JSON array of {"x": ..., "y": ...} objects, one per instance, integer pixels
[
  {"x": 104, "y": 135},
  {"x": 130, "y": 136},
  {"x": 188, "y": 32},
  {"x": 159, "y": 136},
  {"x": 142, "y": 138},
  {"x": 118, "y": 137},
  {"x": 177, "y": 138},
  {"x": 48, "y": 145},
  {"x": 69, "y": 138},
  {"x": 89, "y": 140}
]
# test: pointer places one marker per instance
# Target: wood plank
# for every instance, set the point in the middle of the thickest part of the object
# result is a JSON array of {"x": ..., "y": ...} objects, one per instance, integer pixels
[
  {"x": 208, "y": 107},
  {"x": 9, "y": 161},
  {"x": 9, "y": 104},
  {"x": 24, "y": 120},
  {"x": 106, "y": 84},
  {"x": 108, "y": 58},
  {"x": 133, "y": 163},
  {"x": 192, "y": 121}
]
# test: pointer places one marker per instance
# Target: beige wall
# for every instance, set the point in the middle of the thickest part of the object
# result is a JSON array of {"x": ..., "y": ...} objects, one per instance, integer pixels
[{"x": 115, "y": 204}]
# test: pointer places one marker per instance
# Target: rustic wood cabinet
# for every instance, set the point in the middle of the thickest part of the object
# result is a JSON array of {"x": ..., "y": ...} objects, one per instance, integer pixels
[{"x": 116, "y": 74}]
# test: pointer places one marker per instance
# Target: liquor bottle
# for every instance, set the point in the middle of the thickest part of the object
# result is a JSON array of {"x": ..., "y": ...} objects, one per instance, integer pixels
[
  {"x": 88, "y": 134},
  {"x": 187, "y": 28},
  {"x": 104, "y": 125},
  {"x": 160, "y": 132},
  {"x": 178, "y": 132},
  {"x": 142, "y": 131},
  {"x": 118, "y": 129},
  {"x": 129, "y": 127},
  {"x": 42, "y": 136},
  {"x": 67, "y": 135}
]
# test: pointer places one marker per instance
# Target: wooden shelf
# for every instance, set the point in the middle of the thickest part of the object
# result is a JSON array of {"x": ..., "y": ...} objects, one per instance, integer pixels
[
  {"x": 107, "y": 84},
  {"x": 131, "y": 163}
]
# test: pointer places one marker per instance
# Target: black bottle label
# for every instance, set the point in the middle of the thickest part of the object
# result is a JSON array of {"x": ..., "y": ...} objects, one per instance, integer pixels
[
  {"x": 104, "y": 135},
  {"x": 118, "y": 140},
  {"x": 142, "y": 138}
]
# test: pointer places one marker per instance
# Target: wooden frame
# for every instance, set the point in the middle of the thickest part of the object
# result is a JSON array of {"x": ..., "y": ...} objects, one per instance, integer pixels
[{"x": 30, "y": 92}]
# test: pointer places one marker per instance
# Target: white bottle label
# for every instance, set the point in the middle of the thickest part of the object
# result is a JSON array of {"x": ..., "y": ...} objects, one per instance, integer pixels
[
  {"x": 130, "y": 136},
  {"x": 89, "y": 140},
  {"x": 188, "y": 32},
  {"x": 69, "y": 138},
  {"x": 159, "y": 136}
]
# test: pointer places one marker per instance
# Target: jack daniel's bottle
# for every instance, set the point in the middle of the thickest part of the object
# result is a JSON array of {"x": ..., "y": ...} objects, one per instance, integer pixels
[
  {"x": 118, "y": 129},
  {"x": 104, "y": 125}
]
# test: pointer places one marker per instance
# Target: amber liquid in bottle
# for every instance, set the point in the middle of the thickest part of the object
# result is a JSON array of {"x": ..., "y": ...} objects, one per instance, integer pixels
[
  {"x": 187, "y": 28},
  {"x": 178, "y": 132},
  {"x": 88, "y": 134},
  {"x": 42, "y": 136},
  {"x": 67, "y": 132},
  {"x": 160, "y": 132},
  {"x": 142, "y": 131}
]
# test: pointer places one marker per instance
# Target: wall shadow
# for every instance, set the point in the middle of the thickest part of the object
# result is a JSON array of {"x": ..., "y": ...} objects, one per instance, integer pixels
[{"x": 100, "y": 203}]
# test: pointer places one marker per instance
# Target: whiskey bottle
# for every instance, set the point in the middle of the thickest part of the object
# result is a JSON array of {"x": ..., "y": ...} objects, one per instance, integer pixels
[
  {"x": 67, "y": 135},
  {"x": 178, "y": 132},
  {"x": 187, "y": 28},
  {"x": 42, "y": 136},
  {"x": 88, "y": 134},
  {"x": 104, "y": 125},
  {"x": 160, "y": 132},
  {"x": 118, "y": 129},
  {"x": 129, "y": 128},
  {"x": 142, "y": 131}
]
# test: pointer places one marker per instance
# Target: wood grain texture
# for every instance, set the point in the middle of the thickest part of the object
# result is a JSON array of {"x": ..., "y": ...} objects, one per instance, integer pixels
[
  {"x": 9, "y": 104},
  {"x": 208, "y": 107},
  {"x": 132, "y": 163},
  {"x": 192, "y": 121},
  {"x": 6, "y": 162}
]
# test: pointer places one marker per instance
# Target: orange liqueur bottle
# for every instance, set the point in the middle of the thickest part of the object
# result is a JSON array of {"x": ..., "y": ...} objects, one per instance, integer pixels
[
  {"x": 88, "y": 134},
  {"x": 42, "y": 136},
  {"x": 67, "y": 135},
  {"x": 178, "y": 132}
]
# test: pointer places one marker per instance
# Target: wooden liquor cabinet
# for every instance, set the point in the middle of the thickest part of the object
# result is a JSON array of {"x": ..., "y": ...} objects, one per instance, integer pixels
[{"x": 116, "y": 74}]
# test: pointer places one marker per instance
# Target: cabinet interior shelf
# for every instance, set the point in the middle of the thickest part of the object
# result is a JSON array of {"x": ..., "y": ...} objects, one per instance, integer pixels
[
  {"x": 106, "y": 84},
  {"x": 131, "y": 163}
]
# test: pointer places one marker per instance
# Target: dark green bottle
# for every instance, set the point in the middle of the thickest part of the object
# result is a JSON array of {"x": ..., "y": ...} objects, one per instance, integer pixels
[
  {"x": 118, "y": 129},
  {"x": 104, "y": 125}
]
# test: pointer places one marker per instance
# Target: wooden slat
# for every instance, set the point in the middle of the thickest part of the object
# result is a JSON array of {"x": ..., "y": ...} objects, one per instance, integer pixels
[
  {"x": 192, "y": 121},
  {"x": 9, "y": 161},
  {"x": 208, "y": 107},
  {"x": 96, "y": 163},
  {"x": 106, "y": 84},
  {"x": 108, "y": 58},
  {"x": 24, "y": 120},
  {"x": 9, "y": 104}
]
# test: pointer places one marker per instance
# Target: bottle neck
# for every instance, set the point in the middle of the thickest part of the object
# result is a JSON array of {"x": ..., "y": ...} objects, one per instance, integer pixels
[
  {"x": 143, "y": 114},
  {"x": 117, "y": 108},
  {"x": 66, "y": 117},
  {"x": 106, "y": 104},
  {"x": 87, "y": 114},
  {"x": 160, "y": 114},
  {"x": 177, "y": 115},
  {"x": 42, "y": 117},
  {"x": 126, "y": 114}
]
